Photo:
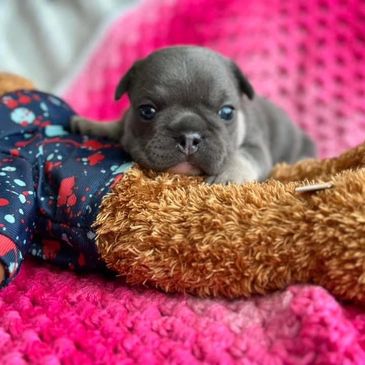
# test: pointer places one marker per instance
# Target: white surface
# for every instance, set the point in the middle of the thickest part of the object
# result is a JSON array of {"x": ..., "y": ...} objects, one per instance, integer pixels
[{"x": 46, "y": 40}]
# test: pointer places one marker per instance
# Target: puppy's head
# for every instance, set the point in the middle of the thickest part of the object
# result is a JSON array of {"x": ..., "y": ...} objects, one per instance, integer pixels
[{"x": 185, "y": 113}]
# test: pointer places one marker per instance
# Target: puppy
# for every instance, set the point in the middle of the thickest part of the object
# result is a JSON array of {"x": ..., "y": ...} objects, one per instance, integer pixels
[{"x": 194, "y": 112}]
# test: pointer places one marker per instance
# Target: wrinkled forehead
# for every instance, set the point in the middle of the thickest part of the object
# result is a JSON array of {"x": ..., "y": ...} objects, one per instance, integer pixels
[{"x": 186, "y": 78}]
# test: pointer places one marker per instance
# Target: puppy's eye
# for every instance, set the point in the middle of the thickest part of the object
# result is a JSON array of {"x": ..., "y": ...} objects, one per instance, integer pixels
[
  {"x": 147, "y": 112},
  {"x": 226, "y": 112}
]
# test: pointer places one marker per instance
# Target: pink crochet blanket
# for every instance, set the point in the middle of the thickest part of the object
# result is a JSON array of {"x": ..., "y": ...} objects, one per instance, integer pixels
[{"x": 307, "y": 56}]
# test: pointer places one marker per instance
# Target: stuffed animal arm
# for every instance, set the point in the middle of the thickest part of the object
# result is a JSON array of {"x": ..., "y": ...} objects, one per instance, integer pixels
[{"x": 51, "y": 184}]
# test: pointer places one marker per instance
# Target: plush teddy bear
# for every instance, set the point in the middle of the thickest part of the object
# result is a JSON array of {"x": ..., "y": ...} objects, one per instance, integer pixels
[{"x": 304, "y": 225}]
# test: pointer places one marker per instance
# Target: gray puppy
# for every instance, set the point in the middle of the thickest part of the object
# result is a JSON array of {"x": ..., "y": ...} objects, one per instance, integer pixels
[{"x": 194, "y": 112}]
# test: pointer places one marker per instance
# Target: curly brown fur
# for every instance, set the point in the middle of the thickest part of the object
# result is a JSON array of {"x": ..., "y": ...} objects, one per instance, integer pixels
[
  {"x": 314, "y": 168},
  {"x": 180, "y": 235}
]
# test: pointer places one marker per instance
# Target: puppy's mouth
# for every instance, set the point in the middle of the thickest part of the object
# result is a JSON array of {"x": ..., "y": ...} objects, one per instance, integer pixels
[{"x": 185, "y": 168}]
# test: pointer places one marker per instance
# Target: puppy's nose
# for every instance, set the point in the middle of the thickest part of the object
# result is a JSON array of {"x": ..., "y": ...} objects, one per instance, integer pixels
[{"x": 188, "y": 143}]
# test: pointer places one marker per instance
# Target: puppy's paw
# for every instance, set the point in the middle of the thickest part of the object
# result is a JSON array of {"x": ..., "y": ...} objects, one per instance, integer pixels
[
  {"x": 80, "y": 125},
  {"x": 238, "y": 171},
  {"x": 231, "y": 177}
]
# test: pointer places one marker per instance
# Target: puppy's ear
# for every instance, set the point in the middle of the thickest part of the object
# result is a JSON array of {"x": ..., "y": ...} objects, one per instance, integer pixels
[
  {"x": 244, "y": 85},
  {"x": 125, "y": 82}
]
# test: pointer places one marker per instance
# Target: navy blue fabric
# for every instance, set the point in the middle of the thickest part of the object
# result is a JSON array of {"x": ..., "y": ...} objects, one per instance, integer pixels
[{"x": 51, "y": 183}]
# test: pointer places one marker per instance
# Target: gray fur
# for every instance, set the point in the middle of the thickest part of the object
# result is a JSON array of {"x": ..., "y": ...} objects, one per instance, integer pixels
[{"x": 187, "y": 86}]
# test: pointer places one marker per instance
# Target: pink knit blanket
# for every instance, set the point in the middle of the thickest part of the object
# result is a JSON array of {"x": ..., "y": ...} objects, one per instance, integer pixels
[{"x": 307, "y": 56}]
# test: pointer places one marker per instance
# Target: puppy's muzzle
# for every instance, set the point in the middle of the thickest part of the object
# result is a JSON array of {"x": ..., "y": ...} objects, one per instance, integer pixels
[{"x": 189, "y": 142}]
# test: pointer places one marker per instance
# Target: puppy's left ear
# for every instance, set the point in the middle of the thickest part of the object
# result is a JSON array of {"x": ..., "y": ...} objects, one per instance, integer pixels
[
  {"x": 125, "y": 82},
  {"x": 244, "y": 85}
]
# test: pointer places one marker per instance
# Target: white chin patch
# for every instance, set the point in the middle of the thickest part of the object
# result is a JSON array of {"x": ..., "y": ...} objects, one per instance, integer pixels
[{"x": 185, "y": 168}]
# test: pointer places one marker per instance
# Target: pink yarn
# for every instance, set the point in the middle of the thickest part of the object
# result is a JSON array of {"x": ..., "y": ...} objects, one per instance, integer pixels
[
  {"x": 49, "y": 317},
  {"x": 306, "y": 56}
]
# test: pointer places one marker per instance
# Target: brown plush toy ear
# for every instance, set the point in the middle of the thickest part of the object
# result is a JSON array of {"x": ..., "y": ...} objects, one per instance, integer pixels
[{"x": 10, "y": 82}]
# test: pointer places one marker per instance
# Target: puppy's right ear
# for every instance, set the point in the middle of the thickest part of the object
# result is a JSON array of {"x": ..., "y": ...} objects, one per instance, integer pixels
[{"x": 125, "y": 82}]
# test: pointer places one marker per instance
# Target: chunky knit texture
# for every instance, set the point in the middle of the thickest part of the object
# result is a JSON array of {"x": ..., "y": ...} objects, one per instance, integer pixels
[
  {"x": 308, "y": 57},
  {"x": 49, "y": 318}
]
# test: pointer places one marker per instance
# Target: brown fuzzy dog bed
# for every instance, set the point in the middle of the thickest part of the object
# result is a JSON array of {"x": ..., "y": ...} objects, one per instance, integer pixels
[{"x": 182, "y": 235}]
